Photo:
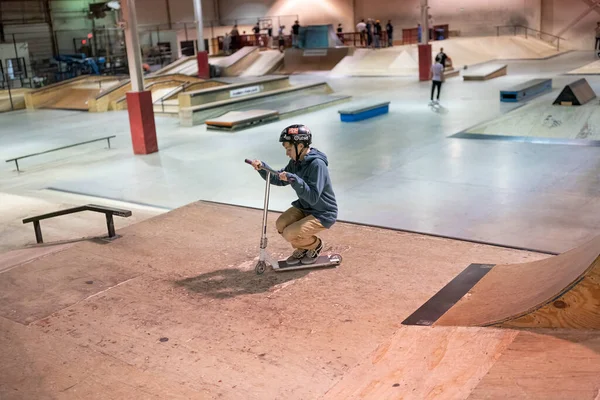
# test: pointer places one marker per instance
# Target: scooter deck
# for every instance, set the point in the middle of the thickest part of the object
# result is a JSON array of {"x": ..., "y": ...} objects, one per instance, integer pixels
[{"x": 324, "y": 261}]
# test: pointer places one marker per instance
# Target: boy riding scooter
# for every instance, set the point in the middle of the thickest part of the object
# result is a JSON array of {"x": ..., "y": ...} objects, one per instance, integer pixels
[{"x": 316, "y": 207}]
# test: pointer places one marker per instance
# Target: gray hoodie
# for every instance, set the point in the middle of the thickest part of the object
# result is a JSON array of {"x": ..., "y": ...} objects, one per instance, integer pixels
[{"x": 310, "y": 179}]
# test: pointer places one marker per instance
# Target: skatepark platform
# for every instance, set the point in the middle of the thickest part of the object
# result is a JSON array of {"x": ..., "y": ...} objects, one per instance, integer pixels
[
  {"x": 485, "y": 72},
  {"x": 287, "y": 101},
  {"x": 232, "y": 91},
  {"x": 526, "y": 90},
  {"x": 467, "y": 51},
  {"x": 173, "y": 309},
  {"x": 592, "y": 68},
  {"x": 539, "y": 121}
]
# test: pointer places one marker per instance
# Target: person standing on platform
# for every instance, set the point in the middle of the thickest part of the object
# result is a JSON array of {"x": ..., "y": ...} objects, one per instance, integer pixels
[
  {"x": 419, "y": 33},
  {"x": 361, "y": 28},
  {"x": 377, "y": 30},
  {"x": 437, "y": 77},
  {"x": 369, "y": 32},
  {"x": 281, "y": 38},
  {"x": 597, "y": 45},
  {"x": 295, "y": 33},
  {"x": 390, "y": 33},
  {"x": 235, "y": 37}
]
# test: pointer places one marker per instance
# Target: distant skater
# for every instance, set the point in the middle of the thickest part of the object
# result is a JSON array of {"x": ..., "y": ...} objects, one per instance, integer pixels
[
  {"x": 437, "y": 77},
  {"x": 597, "y": 45}
]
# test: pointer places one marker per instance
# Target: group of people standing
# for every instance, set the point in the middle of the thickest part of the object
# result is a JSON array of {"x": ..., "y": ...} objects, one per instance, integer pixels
[{"x": 371, "y": 33}]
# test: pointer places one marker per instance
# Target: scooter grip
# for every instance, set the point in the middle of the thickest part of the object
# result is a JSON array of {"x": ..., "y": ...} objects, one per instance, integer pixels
[{"x": 247, "y": 161}]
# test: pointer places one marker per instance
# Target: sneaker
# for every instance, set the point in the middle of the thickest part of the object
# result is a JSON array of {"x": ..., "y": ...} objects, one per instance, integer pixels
[
  {"x": 296, "y": 256},
  {"x": 312, "y": 255}
]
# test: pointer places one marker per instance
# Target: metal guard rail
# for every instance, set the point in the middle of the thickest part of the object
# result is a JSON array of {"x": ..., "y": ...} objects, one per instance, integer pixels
[
  {"x": 16, "y": 159},
  {"x": 109, "y": 212}
]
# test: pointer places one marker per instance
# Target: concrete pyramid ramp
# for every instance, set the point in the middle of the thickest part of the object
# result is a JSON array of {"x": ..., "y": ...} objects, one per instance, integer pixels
[
  {"x": 404, "y": 61},
  {"x": 557, "y": 292}
]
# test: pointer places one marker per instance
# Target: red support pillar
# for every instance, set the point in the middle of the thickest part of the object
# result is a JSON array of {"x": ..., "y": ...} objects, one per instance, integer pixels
[
  {"x": 141, "y": 122},
  {"x": 203, "y": 67},
  {"x": 139, "y": 101},
  {"x": 424, "y": 61}
]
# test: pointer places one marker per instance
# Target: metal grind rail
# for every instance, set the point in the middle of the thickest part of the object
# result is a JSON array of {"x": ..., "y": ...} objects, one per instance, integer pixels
[{"x": 16, "y": 159}]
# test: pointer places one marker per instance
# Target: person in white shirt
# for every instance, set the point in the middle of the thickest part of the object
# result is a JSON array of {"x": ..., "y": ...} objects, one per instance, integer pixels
[
  {"x": 437, "y": 77},
  {"x": 361, "y": 28}
]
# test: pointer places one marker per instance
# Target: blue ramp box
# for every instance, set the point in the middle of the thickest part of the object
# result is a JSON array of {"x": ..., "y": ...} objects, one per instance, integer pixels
[
  {"x": 526, "y": 90},
  {"x": 363, "y": 112}
]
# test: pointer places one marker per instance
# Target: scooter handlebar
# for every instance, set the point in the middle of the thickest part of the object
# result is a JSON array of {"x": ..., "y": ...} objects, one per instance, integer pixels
[{"x": 263, "y": 166}]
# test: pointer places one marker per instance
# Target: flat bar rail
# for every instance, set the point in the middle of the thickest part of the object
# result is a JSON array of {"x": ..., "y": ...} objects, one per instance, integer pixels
[
  {"x": 515, "y": 27},
  {"x": 109, "y": 212},
  {"x": 16, "y": 159}
]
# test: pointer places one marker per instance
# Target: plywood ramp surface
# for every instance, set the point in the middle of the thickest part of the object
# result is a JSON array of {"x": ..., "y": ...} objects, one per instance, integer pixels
[
  {"x": 548, "y": 365},
  {"x": 512, "y": 291},
  {"x": 420, "y": 363}
]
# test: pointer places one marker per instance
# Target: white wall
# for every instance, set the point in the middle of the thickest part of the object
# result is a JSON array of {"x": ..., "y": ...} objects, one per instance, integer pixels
[
  {"x": 470, "y": 17},
  {"x": 559, "y": 17},
  {"x": 309, "y": 12}
]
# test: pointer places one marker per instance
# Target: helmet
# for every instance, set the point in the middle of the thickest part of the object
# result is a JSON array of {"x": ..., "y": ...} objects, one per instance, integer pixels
[{"x": 296, "y": 134}]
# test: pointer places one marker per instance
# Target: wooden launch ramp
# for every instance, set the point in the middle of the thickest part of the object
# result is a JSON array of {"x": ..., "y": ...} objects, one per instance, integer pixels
[{"x": 558, "y": 292}]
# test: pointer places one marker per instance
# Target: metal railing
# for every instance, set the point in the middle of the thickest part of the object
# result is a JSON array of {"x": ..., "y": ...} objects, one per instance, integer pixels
[
  {"x": 527, "y": 29},
  {"x": 16, "y": 159},
  {"x": 166, "y": 96},
  {"x": 109, "y": 212}
]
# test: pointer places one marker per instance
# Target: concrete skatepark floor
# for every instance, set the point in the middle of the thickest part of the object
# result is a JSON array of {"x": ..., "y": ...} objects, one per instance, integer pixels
[{"x": 492, "y": 191}]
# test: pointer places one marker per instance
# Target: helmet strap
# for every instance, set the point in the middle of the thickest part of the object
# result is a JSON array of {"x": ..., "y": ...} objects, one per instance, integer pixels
[{"x": 297, "y": 155}]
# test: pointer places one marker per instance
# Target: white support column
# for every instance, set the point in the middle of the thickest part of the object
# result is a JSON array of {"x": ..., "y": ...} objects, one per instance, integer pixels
[
  {"x": 199, "y": 25},
  {"x": 134, "y": 55},
  {"x": 424, "y": 22}
]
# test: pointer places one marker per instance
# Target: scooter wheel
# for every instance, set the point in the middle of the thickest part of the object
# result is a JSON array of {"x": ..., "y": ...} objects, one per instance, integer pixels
[{"x": 260, "y": 268}]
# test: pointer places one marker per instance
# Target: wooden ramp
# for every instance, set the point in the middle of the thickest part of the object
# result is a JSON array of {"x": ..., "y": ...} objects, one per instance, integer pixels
[
  {"x": 73, "y": 99},
  {"x": 153, "y": 314},
  {"x": 558, "y": 292},
  {"x": 18, "y": 99},
  {"x": 485, "y": 72},
  {"x": 73, "y": 94}
]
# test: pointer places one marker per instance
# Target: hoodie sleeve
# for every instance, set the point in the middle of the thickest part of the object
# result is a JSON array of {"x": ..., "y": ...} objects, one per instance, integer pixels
[
  {"x": 310, "y": 189},
  {"x": 274, "y": 178}
]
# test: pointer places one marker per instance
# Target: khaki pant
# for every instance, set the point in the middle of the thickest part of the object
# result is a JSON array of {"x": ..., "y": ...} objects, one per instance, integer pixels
[{"x": 299, "y": 229}]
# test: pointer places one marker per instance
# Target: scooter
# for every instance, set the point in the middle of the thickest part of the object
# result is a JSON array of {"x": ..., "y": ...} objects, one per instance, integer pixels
[{"x": 265, "y": 258}]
